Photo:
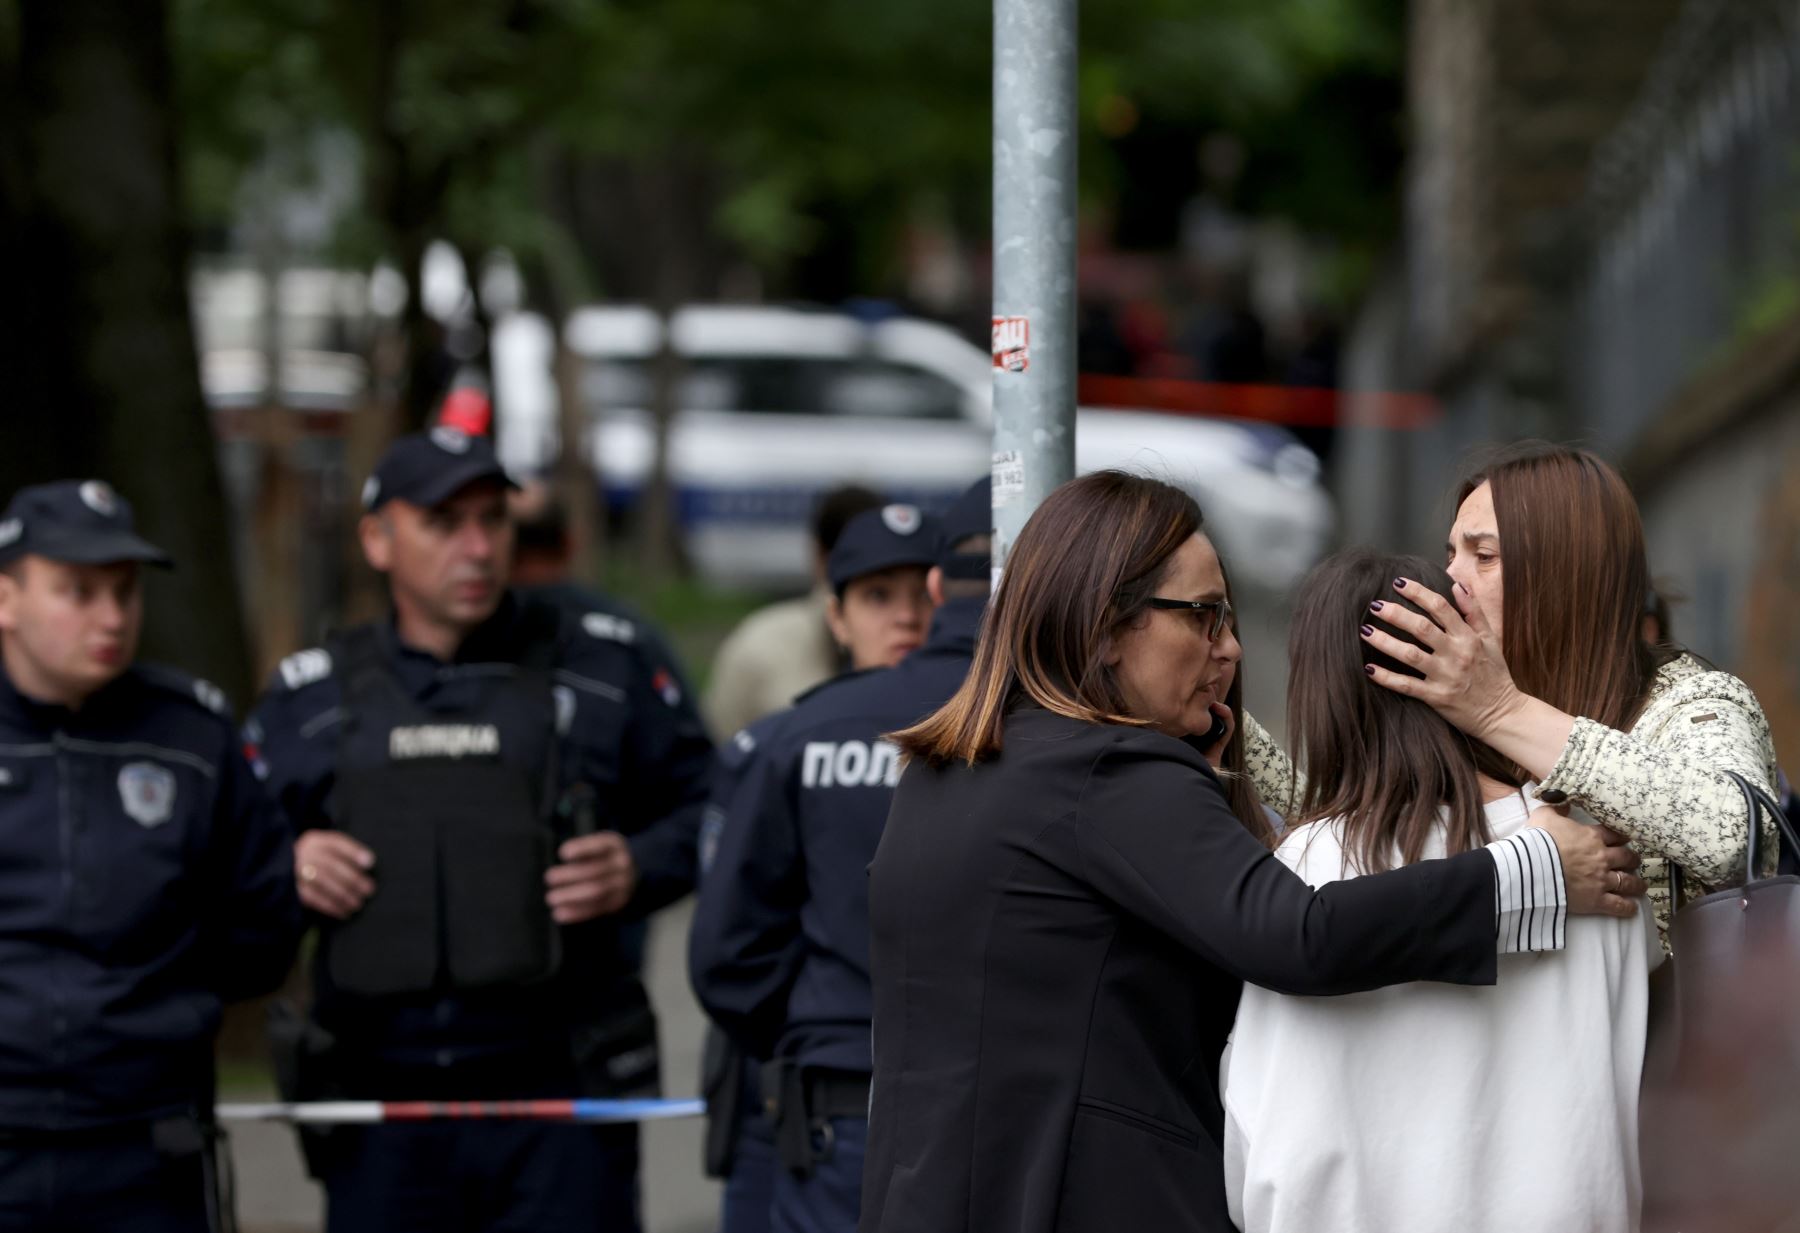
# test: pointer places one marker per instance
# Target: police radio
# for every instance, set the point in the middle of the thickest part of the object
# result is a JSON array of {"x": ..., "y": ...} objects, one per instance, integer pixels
[{"x": 579, "y": 811}]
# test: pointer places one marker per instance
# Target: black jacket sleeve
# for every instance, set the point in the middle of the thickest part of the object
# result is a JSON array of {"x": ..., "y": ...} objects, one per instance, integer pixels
[
  {"x": 669, "y": 766},
  {"x": 745, "y": 947},
  {"x": 1154, "y": 835},
  {"x": 253, "y": 910}
]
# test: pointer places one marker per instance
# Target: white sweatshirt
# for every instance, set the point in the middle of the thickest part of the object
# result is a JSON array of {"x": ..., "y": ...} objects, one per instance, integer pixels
[{"x": 1428, "y": 1107}]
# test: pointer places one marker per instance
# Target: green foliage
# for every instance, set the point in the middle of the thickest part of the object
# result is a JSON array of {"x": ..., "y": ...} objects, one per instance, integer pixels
[{"x": 802, "y": 107}]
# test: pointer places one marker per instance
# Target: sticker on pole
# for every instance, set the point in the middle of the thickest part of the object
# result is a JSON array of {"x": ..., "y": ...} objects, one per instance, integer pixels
[
  {"x": 1012, "y": 343},
  {"x": 1008, "y": 477}
]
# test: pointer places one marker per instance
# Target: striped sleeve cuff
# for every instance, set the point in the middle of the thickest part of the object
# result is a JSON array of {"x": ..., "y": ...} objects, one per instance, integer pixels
[{"x": 1531, "y": 903}]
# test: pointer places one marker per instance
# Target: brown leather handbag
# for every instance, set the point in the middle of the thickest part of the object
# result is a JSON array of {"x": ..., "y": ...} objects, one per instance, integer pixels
[{"x": 1720, "y": 1115}]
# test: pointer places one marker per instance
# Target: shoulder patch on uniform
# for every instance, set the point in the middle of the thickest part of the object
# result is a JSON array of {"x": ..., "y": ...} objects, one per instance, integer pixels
[
  {"x": 666, "y": 686},
  {"x": 211, "y": 697},
  {"x": 304, "y": 667},
  {"x": 188, "y": 688},
  {"x": 609, "y": 628}
]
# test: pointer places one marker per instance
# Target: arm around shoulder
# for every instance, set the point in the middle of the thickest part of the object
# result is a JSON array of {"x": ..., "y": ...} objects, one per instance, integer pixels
[{"x": 1156, "y": 837}]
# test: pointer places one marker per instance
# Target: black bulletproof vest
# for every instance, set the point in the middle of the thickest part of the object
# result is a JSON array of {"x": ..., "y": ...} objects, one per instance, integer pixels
[{"x": 456, "y": 807}]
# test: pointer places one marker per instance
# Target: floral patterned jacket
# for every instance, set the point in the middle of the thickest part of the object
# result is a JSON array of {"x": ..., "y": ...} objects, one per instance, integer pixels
[{"x": 1662, "y": 783}]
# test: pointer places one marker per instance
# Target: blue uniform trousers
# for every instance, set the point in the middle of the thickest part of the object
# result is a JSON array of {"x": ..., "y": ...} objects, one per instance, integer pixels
[
  {"x": 119, "y": 1185},
  {"x": 750, "y": 1186},
  {"x": 483, "y": 1177},
  {"x": 831, "y": 1199}
]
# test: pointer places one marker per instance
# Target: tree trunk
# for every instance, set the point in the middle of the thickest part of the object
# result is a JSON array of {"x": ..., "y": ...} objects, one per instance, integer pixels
[
  {"x": 483, "y": 359},
  {"x": 102, "y": 266},
  {"x": 669, "y": 195},
  {"x": 559, "y": 285},
  {"x": 660, "y": 551}
]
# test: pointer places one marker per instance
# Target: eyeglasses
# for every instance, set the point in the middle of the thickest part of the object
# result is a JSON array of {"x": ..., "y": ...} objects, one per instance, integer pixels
[{"x": 1219, "y": 610}]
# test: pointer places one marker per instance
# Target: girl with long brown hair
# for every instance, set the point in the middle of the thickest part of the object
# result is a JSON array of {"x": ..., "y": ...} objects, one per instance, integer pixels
[
  {"x": 1066, "y": 901},
  {"x": 1426, "y": 1106}
]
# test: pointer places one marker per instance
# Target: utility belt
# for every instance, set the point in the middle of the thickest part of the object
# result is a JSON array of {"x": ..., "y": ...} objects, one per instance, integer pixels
[
  {"x": 180, "y": 1137},
  {"x": 802, "y": 1102}
]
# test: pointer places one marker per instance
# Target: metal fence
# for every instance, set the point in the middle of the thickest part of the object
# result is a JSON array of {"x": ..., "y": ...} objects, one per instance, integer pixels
[{"x": 1692, "y": 217}]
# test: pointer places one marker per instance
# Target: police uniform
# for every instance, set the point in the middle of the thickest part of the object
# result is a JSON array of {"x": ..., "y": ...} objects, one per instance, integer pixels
[
  {"x": 145, "y": 880},
  {"x": 578, "y": 603},
  {"x": 452, "y": 982},
  {"x": 779, "y": 953},
  {"x": 740, "y": 1141}
]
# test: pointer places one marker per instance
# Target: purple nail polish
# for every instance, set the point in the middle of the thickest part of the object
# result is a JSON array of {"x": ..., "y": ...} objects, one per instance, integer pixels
[
  {"x": 1399, "y": 584},
  {"x": 1375, "y": 607},
  {"x": 1368, "y": 630},
  {"x": 1369, "y": 668}
]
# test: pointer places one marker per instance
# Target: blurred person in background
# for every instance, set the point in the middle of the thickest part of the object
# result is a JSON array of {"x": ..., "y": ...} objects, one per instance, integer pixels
[
  {"x": 1427, "y": 1106},
  {"x": 779, "y": 652},
  {"x": 1066, "y": 901},
  {"x": 780, "y": 952},
  {"x": 1543, "y": 658},
  {"x": 544, "y": 547},
  {"x": 145, "y": 880},
  {"x": 484, "y": 788}
]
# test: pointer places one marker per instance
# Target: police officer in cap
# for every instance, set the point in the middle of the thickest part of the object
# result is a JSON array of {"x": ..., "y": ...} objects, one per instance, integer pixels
[
  {"x": 145, "y": 880},
  {"x": 779, "y": 953},
  {"x": 877, "y": 611},
  {"x": 485, "y": 787}
]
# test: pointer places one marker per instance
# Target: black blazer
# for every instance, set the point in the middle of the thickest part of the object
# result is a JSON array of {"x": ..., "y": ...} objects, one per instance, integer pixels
[{"x": 1059, "y": 937}]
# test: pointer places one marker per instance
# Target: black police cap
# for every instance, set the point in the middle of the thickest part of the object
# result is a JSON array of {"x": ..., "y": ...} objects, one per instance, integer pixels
[
  {"x": 879, "y": 539},
  {"x": 969, "y": 515},
  {"x": 428, "y": 468},
  {"x": 83, "y": 522}
]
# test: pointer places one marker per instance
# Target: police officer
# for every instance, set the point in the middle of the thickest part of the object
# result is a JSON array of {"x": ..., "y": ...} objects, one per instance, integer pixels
[
  {"x": 876, "y": 612},
  {"x": 739, "y": 1146},
  {"x": 484, "y": 787},
  {"x": 144, "y": 881},
  {"x": 779, "y": 953},
  {"x": 784, "y": 649}
]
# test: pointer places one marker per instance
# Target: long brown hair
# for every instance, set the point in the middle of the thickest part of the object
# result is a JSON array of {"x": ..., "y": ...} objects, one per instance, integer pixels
[
  {"x": 1383, "y": 763},
  {"x": 1576, "y": 576},
  {"x": 1081, "y": 571}
]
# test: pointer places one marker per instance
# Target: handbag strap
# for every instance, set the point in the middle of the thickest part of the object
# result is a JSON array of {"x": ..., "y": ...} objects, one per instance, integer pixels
[{"x": 1757, "y": 802}]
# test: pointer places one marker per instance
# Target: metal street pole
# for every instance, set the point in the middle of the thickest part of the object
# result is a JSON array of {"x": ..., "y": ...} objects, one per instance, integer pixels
[{"x": 1034, "y": 258}]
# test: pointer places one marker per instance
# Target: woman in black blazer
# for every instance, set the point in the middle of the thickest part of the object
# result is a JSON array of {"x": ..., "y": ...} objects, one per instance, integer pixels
[{"x": 1068, "y": 895}]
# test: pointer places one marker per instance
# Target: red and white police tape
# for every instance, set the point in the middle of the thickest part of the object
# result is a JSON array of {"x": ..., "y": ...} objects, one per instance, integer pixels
[{"x": 368, "y": 1112}]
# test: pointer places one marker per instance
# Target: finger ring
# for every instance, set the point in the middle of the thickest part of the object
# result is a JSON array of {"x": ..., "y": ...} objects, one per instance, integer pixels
[
  {"x": 308, "y": 872},
  {"x": 1618, "y": 880}
]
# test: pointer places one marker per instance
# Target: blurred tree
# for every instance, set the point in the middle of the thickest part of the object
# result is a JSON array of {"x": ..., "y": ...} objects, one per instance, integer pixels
[
  {"x": 101, "y": 369},
  {"x": 663, "y": 150}
]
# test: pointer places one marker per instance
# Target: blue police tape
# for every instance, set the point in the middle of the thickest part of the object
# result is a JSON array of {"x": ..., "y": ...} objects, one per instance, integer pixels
[{"x": 370, "y": 1112}]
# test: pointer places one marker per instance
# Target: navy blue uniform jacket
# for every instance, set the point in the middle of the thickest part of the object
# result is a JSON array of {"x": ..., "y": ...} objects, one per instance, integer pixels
[
  {"x": 779, "y": 953},
  {"x": 145, "y": 879},
  {"x": 1060, "y": 933},
  {"x": 629, "y": 730}
]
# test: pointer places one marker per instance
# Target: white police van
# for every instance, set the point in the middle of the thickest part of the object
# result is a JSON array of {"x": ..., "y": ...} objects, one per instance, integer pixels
[{"x": 778, "y": 405}]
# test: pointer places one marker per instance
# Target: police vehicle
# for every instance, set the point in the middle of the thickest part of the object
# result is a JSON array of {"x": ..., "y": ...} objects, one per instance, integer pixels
[{"x": 778, "y": 404}]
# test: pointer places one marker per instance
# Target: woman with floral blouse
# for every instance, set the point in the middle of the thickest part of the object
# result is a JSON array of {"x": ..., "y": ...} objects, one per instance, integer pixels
[{"x": 1545, "y": 663}]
